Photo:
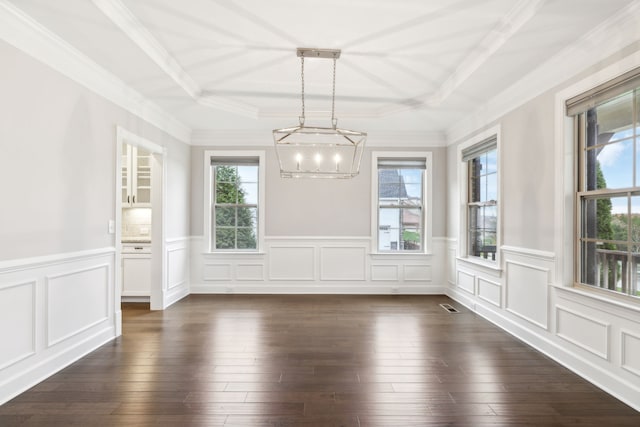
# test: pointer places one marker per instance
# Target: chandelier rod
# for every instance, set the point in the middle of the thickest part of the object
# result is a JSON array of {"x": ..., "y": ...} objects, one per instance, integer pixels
[
  {"x": 301, "y": 118},
  {"x": 334, "y": 121}
]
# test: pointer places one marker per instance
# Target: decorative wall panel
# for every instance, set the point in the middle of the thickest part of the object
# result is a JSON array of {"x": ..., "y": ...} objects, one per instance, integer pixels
[
  {"x": 17, "y": 322},
  {"x": 217, "y": 271},
  {"x": 417, "y": 273},
  {"x": 342, "y": 263},
  {"x": 384, "y": 273},
  {"x": 76, "y": 300},
  {"x": 527, "y": 292},
  {"x": 582, "y": 330},
  {"x": 292, "y": 263},
  {"x": 466, "y": 282},
  {"x": 249, "y": 272},
  {"x": 490, "y": 292},
  {"x": 630, "y": 352}
]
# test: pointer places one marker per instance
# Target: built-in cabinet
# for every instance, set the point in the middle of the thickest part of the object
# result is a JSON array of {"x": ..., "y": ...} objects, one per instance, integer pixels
[
  {"x": 136, "y": 176},
  {"x": 136, "y": 270}
]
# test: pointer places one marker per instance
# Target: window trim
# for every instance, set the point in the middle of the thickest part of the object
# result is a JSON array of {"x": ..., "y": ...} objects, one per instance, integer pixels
[
  {"x": 602, "y": 94},
  {"x": 427, "y": 196},
  {"x": 565, "y": 157},
  {"x": 463, "y": 188},
  {"x": 208, "y": 196}
]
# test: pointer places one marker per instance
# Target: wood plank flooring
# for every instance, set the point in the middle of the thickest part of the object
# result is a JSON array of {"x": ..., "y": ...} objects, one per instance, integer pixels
[{"x": 239, "y": 360}]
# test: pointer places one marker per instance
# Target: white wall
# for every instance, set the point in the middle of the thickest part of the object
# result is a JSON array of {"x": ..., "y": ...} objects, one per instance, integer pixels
[
  {"x": 530, "y": 293},
  {"x": 58, "y": 299}
]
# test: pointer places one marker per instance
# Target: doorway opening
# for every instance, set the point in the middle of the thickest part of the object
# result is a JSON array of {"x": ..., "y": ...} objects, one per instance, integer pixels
[{"x": 140, "y": 183}]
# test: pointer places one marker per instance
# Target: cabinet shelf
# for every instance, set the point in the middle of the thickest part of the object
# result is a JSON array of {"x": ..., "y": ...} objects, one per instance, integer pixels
[{"x": 136, "y": 176}]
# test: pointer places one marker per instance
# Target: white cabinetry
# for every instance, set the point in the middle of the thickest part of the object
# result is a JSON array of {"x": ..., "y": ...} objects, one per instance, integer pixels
[
  {"x": 136, "y": 270},
  {"x": 136, "y": 176}
]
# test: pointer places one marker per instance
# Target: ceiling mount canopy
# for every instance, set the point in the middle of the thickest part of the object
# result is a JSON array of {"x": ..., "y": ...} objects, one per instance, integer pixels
[{"x": 318, "y": 152}]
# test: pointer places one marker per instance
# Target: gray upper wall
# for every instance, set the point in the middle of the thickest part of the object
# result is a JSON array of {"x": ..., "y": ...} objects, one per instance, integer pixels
[
  {"x": 58, "y": 166},
  {"x": 528, "y": 167},
  {"x": 318, "y": 207}
]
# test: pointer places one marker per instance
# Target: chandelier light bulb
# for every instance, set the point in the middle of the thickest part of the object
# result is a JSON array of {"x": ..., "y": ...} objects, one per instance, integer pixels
[{"x": 298, "y": 160}]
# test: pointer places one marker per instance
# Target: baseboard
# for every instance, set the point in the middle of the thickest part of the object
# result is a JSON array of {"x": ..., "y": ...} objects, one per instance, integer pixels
[
  {"x": 298, "y": 289},
  {"x": 51, "y": 365}
]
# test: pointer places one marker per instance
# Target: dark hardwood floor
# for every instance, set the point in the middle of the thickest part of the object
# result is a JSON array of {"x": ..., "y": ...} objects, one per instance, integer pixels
[{"x": 314, "y": 361}]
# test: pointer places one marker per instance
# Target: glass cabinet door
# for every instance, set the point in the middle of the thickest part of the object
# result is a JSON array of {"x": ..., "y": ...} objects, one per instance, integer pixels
[
  {"x": 143, "y": 177},
  {"x": 126, "y": 175}
]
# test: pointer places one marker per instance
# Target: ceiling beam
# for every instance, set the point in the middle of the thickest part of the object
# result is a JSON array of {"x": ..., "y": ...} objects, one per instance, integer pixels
[{"x": 133, "y": 28}]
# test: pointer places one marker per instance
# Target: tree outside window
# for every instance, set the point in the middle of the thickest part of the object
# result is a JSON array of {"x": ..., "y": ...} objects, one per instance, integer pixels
[{"x": 235, "y": 208}]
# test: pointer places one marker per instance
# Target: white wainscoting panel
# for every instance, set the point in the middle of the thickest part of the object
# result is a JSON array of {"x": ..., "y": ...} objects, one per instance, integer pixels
[
  {"x": 466, "y": 282},
  {"x": 177, "y": 267},
  {"x": 217, "y": 271},
  {"x": 630, "y": 352},
  {"x": 490, "y": 291},
  {"x": 528, "y": 291},
  {"x": 318, "y": 265},
  {"x": 53, "y": 310},
  {"x": 595, "y": 336},
  {"x": 76, "y": 301},
  {"x": 382, "y": 273},
  {"x": 452, "y": 250},
  {"x": 582, "y": 330},
  {"x": 292, "y": 262},
  {"x": 343, "y": 263},
  {"x": 417, "y": 273},
  {"x": 249, "y": 272},
  {"x": 17, "y": 322}
]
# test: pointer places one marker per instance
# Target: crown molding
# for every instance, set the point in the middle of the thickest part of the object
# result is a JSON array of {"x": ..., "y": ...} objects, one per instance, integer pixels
[
  {"x": 131, "y": 26},
  {"x": 507, "y": 27},
  {"x": 26, "y": 34},
  {"x": 264, "y": 138},
  {"x": 610, "y": 37}
]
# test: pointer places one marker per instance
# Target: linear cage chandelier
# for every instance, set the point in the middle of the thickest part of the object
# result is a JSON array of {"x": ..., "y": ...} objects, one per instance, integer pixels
[{"x": 319, "y": 152}]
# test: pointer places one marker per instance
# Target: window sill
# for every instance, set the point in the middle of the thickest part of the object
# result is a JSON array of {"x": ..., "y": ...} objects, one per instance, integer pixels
[
  {"x": 490, "y": 267},
  {"x": 620, "y": 301},
  {"x": 230, "y": 253},
  {"x": 400, "y": 254}
]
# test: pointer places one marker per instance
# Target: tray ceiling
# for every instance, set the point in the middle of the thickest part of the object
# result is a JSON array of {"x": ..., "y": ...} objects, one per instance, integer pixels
[{"x": 411, "y": 65}]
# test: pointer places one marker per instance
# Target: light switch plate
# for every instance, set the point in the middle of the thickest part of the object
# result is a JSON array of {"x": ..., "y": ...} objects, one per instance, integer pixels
[{"x": 112, "y": 226}]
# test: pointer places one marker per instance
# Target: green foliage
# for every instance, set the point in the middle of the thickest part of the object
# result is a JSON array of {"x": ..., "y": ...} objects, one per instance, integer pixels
[
  {"x": 603, "y": 212},
  {"x": 235, "y": 225}
]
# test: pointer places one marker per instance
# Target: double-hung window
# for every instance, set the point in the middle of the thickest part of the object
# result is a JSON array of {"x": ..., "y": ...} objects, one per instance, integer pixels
[
  {"x": 400, "y": 203},
  {"x": 607, "y": 130},
  {"x": 235, "y": 203},
  {"x": 482, "y": 198}
]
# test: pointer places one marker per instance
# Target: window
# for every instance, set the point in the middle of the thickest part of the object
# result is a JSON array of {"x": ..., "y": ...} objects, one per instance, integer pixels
[
  {"x": 607, "y": 129},
  {"x": 400, "y": 202},
  {"x": 482, "y": 198},
  {"x": 236, "y": 187}
]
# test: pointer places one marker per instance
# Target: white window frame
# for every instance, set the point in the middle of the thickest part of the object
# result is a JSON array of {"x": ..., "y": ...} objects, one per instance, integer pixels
[
  {"x": 427, "y": 228},
  {"x": 576, "y": 110},
  {"x": 208, "y": 197},
  {"x": 463, "y": 183},
  {"x": 565, "y": 199}
]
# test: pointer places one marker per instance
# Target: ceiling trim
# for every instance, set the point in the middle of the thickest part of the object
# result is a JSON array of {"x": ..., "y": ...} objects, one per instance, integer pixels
[
  {"x": 259, "y": 138},
  {"x": 519, "y": 15},
  {"x": 134, "y": 29},
  {"x": 508, "y": 26},
  {"x": 26, "y": 34},
  {"x": 609, "y": 38}
]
